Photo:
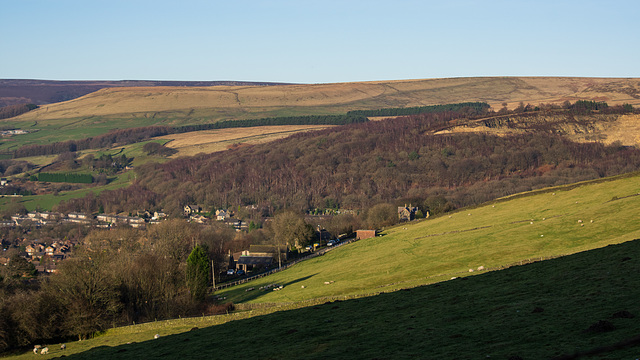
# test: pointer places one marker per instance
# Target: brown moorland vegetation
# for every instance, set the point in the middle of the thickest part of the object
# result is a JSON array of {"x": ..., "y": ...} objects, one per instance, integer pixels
[
  {"x": 228, "y": 102},
  {"x": 208, "y": 141}
]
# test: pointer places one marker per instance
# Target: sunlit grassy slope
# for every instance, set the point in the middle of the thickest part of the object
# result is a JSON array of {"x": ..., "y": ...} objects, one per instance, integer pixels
[
  {"x": 546, "y": 224},
  {"x": 536, "y": 311},
  {"x": 581, "y": 304}
]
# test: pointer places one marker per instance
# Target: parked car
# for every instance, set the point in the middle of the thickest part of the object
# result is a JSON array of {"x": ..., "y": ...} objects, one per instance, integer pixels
[
  {"x": 331, "y": 243},
  {"x": 231, "y": 272},
  {"x": 240, "y": 272}
]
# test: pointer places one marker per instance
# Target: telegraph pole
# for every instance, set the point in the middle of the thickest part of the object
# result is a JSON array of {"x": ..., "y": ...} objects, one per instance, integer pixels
[{"x": 213, "y": 276}]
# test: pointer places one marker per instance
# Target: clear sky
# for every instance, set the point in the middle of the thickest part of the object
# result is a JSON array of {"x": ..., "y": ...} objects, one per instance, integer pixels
[{"x": 309, "y": 41}]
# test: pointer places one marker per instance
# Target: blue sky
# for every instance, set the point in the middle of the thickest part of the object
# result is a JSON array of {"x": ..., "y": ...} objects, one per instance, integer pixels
[{"x": 308, "y": 41}]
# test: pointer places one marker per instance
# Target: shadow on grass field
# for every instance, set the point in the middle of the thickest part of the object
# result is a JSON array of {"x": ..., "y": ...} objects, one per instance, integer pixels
[{"x": 571, "y": 306}]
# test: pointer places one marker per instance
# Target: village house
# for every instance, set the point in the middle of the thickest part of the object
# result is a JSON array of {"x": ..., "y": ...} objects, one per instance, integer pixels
[
  {"x": 108, "y": 218},
  {"x": 158, "y": 215},
  {"x": 198, "y": 219},
  {"x": 6, "y": 223},
  {"x": 136, "y": 222},
  {"x": 237, "y": 224},
  {"x": 35, "y": 251},
  {"x": 49, "y": 250},
  {"x": 222, "y": 215},
  {"x": 18, "y": 220},
  {"x": 191, "y": 209},
  {"x": 78, "y": 218},
  {"x": 247, "y": 262},
  {"x": 76, "y": 215},
  {"x": 258, "y": 256},
  {"x": 407, "y": 213},
  {"x": 3, "y": 181},
  {"x": 322, "y": 235},
  {"x": 48, "y": 215},
  {"x": 47, "y": 268}
]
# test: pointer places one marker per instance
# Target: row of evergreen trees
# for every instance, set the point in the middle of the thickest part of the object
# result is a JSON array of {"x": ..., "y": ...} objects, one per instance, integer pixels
[
  {"x": 283, "y": 120},
  {"x": 63, "y": 177},
  {"x": 476, "y": 107}
]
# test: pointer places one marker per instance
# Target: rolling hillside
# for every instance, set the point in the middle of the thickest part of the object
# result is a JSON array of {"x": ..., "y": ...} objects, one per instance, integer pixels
[
  {"x": 558, "y": 309},
  {"x": 543, "y": 224},
  {"x": 127, "y": 107},
  {"x": 602, "y": 128},
  {"x": 221, "y": 102},
  {"x": 566, "y": 306},
  {"x": 22, "y": 91}
]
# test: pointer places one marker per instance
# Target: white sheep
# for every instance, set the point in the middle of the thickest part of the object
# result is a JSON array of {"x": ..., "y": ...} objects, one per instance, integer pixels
[
  {"x": 156, "y": 336},
  {"x": 480, "y": 268},
  {"x": 44, "y": 351},
  {"x": 63, "y": 347},
  {"x": 35, "y": 350}
]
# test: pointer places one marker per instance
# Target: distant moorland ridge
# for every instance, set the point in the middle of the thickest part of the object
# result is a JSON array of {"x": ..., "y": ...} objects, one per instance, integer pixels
[
  {"x": 39, "y": 92},
  {"x": 213, "y": 103}
]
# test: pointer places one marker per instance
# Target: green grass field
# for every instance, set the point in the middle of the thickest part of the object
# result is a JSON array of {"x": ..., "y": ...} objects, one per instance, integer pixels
[
  {"x": 540, "y": 310},
  {"x": 493, "y": 236},
  {"x": 582, "y": 303},
  {"x": 47, "y": 201}
]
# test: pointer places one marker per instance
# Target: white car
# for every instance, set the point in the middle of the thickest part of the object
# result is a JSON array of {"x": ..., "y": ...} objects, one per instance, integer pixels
[{"x": 231, "y": 272}]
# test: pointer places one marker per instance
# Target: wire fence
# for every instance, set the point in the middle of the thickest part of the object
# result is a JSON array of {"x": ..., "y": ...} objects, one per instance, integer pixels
[
  {"x": 283, "y": 267},
  {"x": 246, "y": 310}
]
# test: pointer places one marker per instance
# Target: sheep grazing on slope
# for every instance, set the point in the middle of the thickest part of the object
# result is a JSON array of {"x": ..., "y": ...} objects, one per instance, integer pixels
[
  {"x": 156, "y": 336},
  {"x": 44, "y": 351},
  {"x": 63, "y": 347}
]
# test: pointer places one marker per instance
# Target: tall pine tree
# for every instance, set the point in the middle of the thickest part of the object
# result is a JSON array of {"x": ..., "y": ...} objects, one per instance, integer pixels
[{"x": 198, "y": 272}]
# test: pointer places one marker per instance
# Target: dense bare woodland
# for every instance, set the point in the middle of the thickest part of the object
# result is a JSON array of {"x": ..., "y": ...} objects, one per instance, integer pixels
[{"x": 355, "y": 166}]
